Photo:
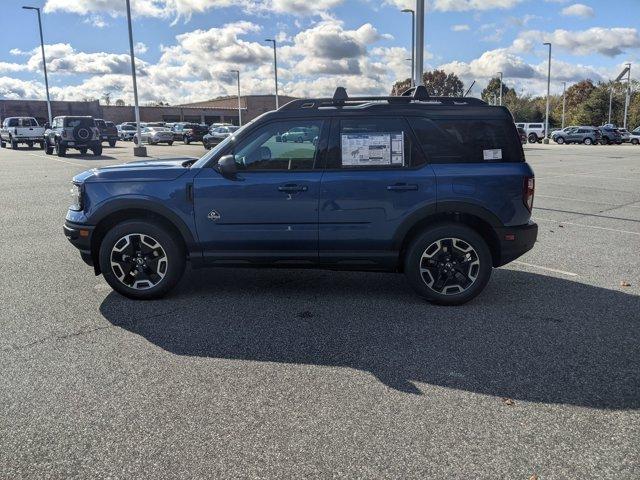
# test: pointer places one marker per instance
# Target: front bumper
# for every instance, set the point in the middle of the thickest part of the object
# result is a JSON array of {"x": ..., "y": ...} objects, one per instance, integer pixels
[
  {"x": 80, "y": 237},
  {"x": 515, "y": 241}
]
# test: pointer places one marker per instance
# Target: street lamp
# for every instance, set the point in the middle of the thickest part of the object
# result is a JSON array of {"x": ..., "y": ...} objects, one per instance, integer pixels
[
  {"x": 44, "y": 61},
  {"x": 237, "y": 72},
  {"x": 564, "y": 101},
  {"x": 627, "y": 99},
  {"x": 500, "y": 73},
  {"x": 413, "y": 43},
  {"x": 546, "y": 121},
  {"x": 275, "y": 68},
  {"x": 418, "y": 80},
  {"x": 138, "y": 150}
]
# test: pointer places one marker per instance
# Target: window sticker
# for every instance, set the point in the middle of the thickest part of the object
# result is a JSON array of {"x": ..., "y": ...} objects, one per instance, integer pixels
[
  {"x": 495, "y": 154},
  {"x": 372, "y": 149}
]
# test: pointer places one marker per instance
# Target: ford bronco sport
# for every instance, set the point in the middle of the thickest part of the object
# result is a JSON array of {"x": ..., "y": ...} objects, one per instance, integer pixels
[
  {"x": 73, "y": 132},
  {"x": 434, "y": 187}
]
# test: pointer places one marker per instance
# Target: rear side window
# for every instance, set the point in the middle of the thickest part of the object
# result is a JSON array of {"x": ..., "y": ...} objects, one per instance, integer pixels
[
  {"x": 468, "y": 140},
  {"x": 100, "y": 123},
  {"x": 370, "y": 142}
]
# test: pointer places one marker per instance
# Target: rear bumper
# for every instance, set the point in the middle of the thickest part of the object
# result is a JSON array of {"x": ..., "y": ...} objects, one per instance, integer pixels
[
  {"x": 80, "y": 237},
  {"x": 515, "y": 241}
]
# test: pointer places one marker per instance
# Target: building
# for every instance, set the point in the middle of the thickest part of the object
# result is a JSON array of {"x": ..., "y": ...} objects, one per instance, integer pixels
[{"x": 224, "y": 109}]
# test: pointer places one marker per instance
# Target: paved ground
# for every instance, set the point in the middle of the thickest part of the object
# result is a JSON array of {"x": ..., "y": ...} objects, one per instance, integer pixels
[{"x": 275, "y": 374}]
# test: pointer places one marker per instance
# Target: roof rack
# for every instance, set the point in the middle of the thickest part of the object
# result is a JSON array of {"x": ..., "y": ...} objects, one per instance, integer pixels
[{"x": 415, "y": 94}]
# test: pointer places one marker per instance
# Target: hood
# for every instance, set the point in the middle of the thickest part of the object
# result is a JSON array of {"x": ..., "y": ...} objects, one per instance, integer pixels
[{"x": 140, "y": 171}]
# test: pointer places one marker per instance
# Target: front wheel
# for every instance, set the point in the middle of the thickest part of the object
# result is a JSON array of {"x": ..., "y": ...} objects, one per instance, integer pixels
[
  {"x": 588, "y": 141},
  {"x": 533, "y": 138},
  {"x": 97, "y": 150},
  {"x": 170, "y": 143},
  {"x": 112, "y": 143},
  {"x": 14, "y": 144},
  {"x": 559, "y": 140},
  {"x": 187, "y": 141},
  {"x": 634, "y": 141},
  {"x": 448, "y": 264},
  {"x": 141, "y": 259},
  {"x": 61, "y": 150}
]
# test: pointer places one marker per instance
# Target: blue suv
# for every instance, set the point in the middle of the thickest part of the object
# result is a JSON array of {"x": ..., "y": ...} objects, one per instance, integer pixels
[{"x": 434, "y": 187}]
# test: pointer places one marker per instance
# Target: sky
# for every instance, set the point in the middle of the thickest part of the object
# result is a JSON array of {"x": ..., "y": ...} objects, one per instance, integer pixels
[{"x": 186, "y": 49}]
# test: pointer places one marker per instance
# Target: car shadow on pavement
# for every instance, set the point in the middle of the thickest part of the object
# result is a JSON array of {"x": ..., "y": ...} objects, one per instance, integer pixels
[{"x": 527, "y": 337}]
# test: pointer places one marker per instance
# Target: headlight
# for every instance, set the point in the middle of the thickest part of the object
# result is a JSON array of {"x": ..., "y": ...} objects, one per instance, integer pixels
[{"x": 76, "y": 197}]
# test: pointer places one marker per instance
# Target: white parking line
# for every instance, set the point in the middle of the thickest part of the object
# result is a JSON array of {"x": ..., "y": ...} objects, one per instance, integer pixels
[
  {"x": 541, "y": 219},
  {"x": 540, "y": 267},
  {"x": 56, "y": 159},
  {"x": 577, "y": 200}
]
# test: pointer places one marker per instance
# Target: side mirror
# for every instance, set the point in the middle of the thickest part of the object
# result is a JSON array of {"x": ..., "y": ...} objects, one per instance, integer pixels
[{"x": 227, "y": 166}]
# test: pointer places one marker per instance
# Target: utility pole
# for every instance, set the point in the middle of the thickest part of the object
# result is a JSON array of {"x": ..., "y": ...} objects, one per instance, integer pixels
[
  {"x": 500, "y": 73},
  {"x": 44, "y": 62},
  {"x": 564, "y": 101},
  {"x": 237, "y": 72},
  {"x": 546, "y": 121},
  {"x": 419, "y": 43},
  {"x": 413, "y": 43},
  {"x": 627, "y": 99},
  {"x": 610, "y": 101},
  {"x": 275, "y": 68},
  {"x": 139, "y": 150}
]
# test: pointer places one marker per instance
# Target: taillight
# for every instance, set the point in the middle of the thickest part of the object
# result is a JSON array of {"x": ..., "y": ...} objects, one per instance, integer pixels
[
  {"x": 528, "y": 191},
  {"x": 64, "y": 134}
]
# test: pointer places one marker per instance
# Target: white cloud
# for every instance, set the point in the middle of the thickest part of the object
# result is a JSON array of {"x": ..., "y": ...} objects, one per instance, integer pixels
[
  {"x": 140, "y": 48},
  {"x": 578, "y": 10},
  {"x": 460, "y": 28},
  {"x": 605, "y": 41},
  {"x": 12, "y": 67},
  {"x": 15, "y": 89},
  {"x": 96, "y": 21},
  {"x": 457, "y": 5}
]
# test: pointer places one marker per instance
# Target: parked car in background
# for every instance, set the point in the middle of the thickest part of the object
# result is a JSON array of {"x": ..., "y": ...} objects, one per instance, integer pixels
[
  {"x": 558, "y": 130},
  {"x": 299, "y": 134},
  {"x": 535, "y": 131},
  {"x": 194, "y": 133},
  {"x": 634, "y": 138},
  {"x": 180, "y": 128},
  {"x": 216, "y": 135},
  {"x": 126, "y": 132},
  {"x": 155, "y": 135},
  {"x": 523, "y": 135},
  {"x": 77, "y": 132},
  {"x": 25, "y": 130},
  {"x": 625, "y": 135},
  {"x": 108, "y": 131},
  {"x": 610, "y": 135},
  {"x": 586, "y": 135}
]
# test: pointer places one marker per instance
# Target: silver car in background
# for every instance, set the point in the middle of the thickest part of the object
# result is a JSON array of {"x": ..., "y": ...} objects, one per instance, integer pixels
[{"x": 155, "y": 135}]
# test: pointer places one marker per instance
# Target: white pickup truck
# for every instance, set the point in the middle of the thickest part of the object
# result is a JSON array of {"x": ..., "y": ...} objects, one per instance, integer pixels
[{"x": 16, "y": 130}]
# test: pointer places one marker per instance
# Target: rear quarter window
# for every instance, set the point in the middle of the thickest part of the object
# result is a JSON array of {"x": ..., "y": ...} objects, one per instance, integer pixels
[{"x": 468, "y": 140}]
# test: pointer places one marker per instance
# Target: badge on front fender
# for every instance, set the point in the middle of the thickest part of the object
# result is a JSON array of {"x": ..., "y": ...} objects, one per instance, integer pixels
[{"x": 213, "y": 216}]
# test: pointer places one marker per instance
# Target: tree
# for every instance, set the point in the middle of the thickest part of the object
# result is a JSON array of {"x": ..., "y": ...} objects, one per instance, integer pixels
[
  {"x": 400, "y": 86},
  {"x": 107, "y": 98},
  {"x": 441, "y": 84},
  {"x": 493, "y": 88},
  {"x": 119, "y": 103}
]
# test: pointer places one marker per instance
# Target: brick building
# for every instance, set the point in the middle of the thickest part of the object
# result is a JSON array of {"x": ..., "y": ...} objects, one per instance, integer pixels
[{"x": 223, "y": 109}]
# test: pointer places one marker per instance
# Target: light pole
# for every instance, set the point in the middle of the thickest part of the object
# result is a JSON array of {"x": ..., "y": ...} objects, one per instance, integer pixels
[
  {"x": 546, "y": 118},
  {"x": 275, "y": 68},
  {"x": 138, "y": 150},
  {"x": 237, "y": 72},
  {"x": 627, "y": 99},
  {"x": 500, "y": 73},
  {"x": 44, "y": 61},
  {"x": 564, "y": 101},
  {"x": 413, "y": 43},
  {"x": 610, "y": 101},
  {"x": 417, "y": 74}
]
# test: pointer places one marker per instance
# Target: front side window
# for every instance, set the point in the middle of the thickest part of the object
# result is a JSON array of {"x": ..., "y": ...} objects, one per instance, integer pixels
[
  {"x": 13, "y": 122},
  {"x": 273, "y": 148},
  {"x": 467, "y": 140},
  {"x": 370, "y": 142}
]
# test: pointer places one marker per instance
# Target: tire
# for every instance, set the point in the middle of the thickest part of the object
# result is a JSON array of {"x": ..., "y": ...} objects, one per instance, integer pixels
[
  {"x": 300, "y": 140},
  {"x": 187, "y": 141},
  {"x": 634, "y": 141},
  {"x": 112, "y": 143},
  {"x": 42, "y": 145},
  {"x": 170, "y": 143},
  {"x": 158, "y": 277},
  {"x": 588, "y": 141},
  {"x": 605, "y": 141},
  {"x": 61, "y": 150},
  {"x": 48, "y": 150},
  {"x": 3, "y": 145},
  {"x": 30, "y": 144},
  {"x": 83, "y": 151},
  {"x": 559, "y": 140},
  {"x": 206, "y": 146},
  {"x": 433, "y": 245},
  {"x": 14, "y": 144},
  {"x": 532, "y": 138},
  {"x": 97, "y": 150}
]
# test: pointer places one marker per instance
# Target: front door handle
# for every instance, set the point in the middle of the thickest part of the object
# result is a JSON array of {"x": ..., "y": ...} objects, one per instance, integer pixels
[
  {"x": 401, "y": 187},
  {"x": 292, "y": 188}
]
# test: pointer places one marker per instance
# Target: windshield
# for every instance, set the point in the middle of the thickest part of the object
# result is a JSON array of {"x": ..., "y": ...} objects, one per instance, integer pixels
[
  {"x": 223, "y": 144},
  {"x": 158, "y": 129}
]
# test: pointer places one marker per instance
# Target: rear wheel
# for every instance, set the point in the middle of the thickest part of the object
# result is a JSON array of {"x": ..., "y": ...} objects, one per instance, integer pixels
[
  {"x": 97, "y": 150},
  {"x": 559, "y": 140},
  {"x": 170, "y": 143},
  {"x": 448, "y": 264},
  {"x": 634, "y": 141},
  {"x": 48, "y": 148},
  {"x": 141, "y": 260},
  {"x": 30, "y": 144},
  {"x": 187, "y": 140},
  {"x": 112, "y": 143},
  {"x": 588, "y": 141},
  {"x": 41, "y": 144},
  {"x": 605, "y": 141},
  {"x": 533, "y": 138},
  {"x": 83, "y": 151},
  {"x": 14, "y": 144}
]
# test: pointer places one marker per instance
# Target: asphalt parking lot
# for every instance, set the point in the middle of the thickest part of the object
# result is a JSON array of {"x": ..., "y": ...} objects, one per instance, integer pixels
[{"x": 290, "y": 374}]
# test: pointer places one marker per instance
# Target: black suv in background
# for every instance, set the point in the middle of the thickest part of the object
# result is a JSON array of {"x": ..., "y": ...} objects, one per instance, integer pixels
[
  {"x": 194, "y": 133},
  {"x": 610, "y": 135},
  {"x": 80, "y": 133},
  {"x": 108, "y": 132},
  {"x": 180, "y": 128}
]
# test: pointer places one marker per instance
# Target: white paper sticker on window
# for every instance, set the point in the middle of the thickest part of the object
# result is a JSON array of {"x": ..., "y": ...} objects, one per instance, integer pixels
[
  {"x": 493, "y": 154},
  {"x": 372, "y": 149}
]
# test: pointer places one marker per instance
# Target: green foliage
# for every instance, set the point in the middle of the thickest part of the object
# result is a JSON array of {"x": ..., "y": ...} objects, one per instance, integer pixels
[
  {"x": 493, "y": 88},
  {"x": 441, "y": 84}
]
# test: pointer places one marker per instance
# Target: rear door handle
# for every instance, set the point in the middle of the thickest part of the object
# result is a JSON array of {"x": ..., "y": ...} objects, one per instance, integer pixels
[
  {"x": 292, "y": 188},
  {"x": 401, "y": 187}
]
